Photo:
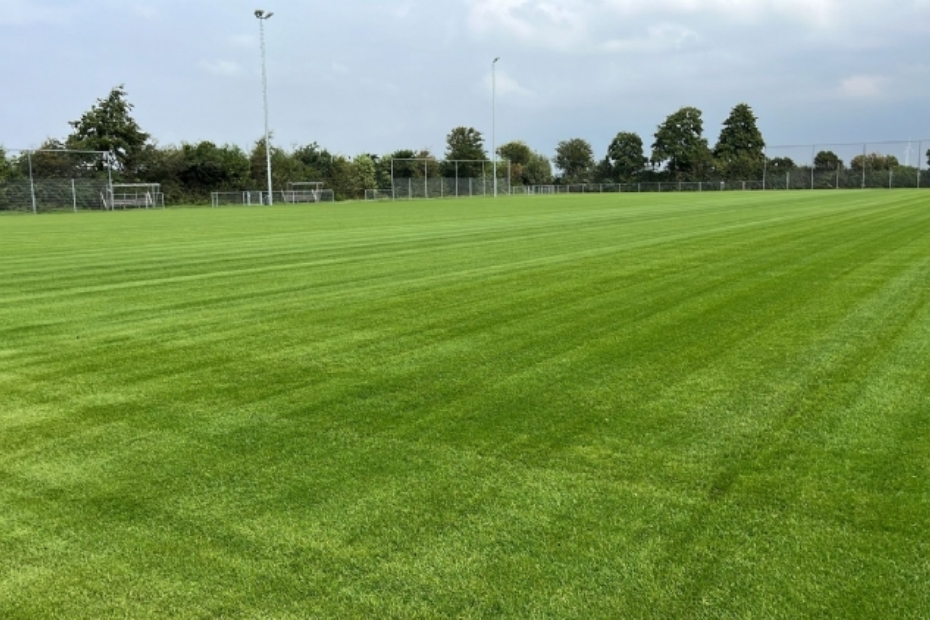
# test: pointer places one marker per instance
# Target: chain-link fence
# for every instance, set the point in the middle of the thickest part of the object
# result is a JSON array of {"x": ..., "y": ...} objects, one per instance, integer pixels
[
  {"x": 440, "y": 187},
  {"x": 872, "y": 165},
  {"x": 55, "y": 180}
]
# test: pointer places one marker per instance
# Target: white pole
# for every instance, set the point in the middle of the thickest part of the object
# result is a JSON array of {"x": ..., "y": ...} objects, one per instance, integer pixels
[
  {"x": 494, "y": 122},
  {"x": 32, "y": 184},
  {"x": 262, "y": 16}
]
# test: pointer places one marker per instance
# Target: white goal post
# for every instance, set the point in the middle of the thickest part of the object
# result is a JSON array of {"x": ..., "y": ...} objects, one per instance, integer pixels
[
  {"x": 137, "y": 195},
  {"x": 299, "y": 192}
]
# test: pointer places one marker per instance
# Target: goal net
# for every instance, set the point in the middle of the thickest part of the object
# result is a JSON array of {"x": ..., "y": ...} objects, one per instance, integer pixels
[
  {"x": 302, "y": 192},
  {"x": 134, "y": 196}
]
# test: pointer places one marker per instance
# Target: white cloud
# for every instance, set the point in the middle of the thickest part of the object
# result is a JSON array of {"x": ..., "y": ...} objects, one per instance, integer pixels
[
  {"x": 659, "y": 38},
  {"x": 507, "y": 86},
  {"x": 225, "y": 68},
  {"x": 865, "y": 86}
]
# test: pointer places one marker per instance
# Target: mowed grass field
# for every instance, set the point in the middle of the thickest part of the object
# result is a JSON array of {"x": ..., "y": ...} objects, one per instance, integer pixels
[{"x": 623, "y": 406}]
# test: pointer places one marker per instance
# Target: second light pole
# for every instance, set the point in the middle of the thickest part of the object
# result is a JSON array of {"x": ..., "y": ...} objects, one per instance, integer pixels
[
  {"x": 262, "y": 16},
  {"x": 494, "y": 122}
]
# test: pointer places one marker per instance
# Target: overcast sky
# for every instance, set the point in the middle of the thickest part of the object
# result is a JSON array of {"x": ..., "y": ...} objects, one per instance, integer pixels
[{"x": 375, "y": 76}]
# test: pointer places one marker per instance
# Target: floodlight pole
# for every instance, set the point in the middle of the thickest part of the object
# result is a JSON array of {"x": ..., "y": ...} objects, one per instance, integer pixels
[
  {"x": 262, "y": 16},
  {"x": 494, "y": 122}
]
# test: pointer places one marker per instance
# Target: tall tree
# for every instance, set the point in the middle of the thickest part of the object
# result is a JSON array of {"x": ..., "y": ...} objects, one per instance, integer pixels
[
  {"x": 680, "y": 146},
  {"x": 317, "y": 161},
  {"x": 7, "y": 166},
  {"x": 874, "y": 161},
  {"x": 402, "y": 164},
  {"x": 538, "y": 170},
  {"x": 781, "y": 164},
  {"x": 626, "y": 157},
  {"x": 517, "y": 154},
  {"x": 575, "y": 159},
  {"x": 740, "y": 149},
  {"x": 827, "y": 160},
  {"x": 206, "y": 167},
  {"x": 109, "y": 126},
  {"x": 466, "y": 145},
  {"x": 363, "y": 175}
]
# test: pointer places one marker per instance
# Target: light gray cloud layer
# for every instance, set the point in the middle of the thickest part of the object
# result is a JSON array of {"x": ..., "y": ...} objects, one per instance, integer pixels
[{"x": 372, "y": 76}]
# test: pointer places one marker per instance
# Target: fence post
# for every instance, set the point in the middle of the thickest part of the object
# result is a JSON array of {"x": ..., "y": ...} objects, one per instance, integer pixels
[
  {"x": 73, "y": 195},
  {"x": 920, "y": 147},
  {"x": 864, "y": 147},
  {"x": 765, "y": 165},
  {"x": 32, "y": 183},
  {"x": 813, "y": 157}
]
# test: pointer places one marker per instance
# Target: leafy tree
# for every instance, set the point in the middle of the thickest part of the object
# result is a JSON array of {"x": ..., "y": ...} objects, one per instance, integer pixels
[
  {"x": 317, "y": 162},
  {"x": 679, "y": 145},
  {"x": 7, "y": 169},
  {"x": 538, "y": 170},
  {"x": 362, "y": 175},
  {"x": 518, "y": 154},
  {"x": 575, "y": 159},
  {"x": 206, "y": 167},
  {"x": 285, "y": 167},
  {"x": 874, "y": 161},
  {"x": 827, "y": 160},
  {"x": 740, "y": 149},
  {"x": 781, "y": 164},
  {"x": 928, "y": 157},
  {"x": 109, "y": 126},
  {"x": 51, "y": 161},
  {"x": 398, "y": 161},
  {"x": 625, "y": 156},
  {"x": 465, "y": 143}
]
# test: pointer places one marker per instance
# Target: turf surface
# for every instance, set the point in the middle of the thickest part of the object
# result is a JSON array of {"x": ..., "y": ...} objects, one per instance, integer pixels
[{"x": 602, "y": 406}]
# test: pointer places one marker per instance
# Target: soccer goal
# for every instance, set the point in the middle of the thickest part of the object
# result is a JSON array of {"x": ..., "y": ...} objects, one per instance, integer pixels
[
  {"x": 541, "y": 189},
  {"x": 379, "y": 194},
  {"x": 301, "y": 192},
  {"x": 134, "y": 195}
]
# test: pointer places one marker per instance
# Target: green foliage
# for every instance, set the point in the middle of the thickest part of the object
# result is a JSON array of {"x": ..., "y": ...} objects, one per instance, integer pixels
[
  {"x": 7, "y": 167},
  {"x": 680, "y": 147},
  {"x": 874, "y": 162},
  {"x": 518, "y": 154},
  {"x": 827, "y": 160},
  {"x": 398, "y": 163},
  {"x": 109, "y": 126},
  {"x": 467, "y": 144},
  {"x": 781, "y": 164},
  {"x": 363, "y": 175},
  {"x": 538, "y": 170},
  {"x": 206, "y": 167},
  {"x": 575, "y": 159},
  {"x": 626, "y": 158},
  {"x": 317, "y": 161},
  {"x": 740, "y": 149}
]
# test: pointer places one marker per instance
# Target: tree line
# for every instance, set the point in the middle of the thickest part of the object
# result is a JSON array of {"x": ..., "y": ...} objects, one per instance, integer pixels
[{"x": 189, "y": 172}]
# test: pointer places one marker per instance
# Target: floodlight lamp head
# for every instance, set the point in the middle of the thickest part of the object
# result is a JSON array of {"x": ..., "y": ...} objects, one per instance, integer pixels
[
  {"x": 268, "y": 16},
  {"x": 495, "y": 60},
  {"x": 259, "y": 13}
]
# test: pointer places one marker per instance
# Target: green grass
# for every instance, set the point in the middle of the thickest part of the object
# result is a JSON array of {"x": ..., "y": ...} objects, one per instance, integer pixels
[{"x": 641, "y": 406}]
